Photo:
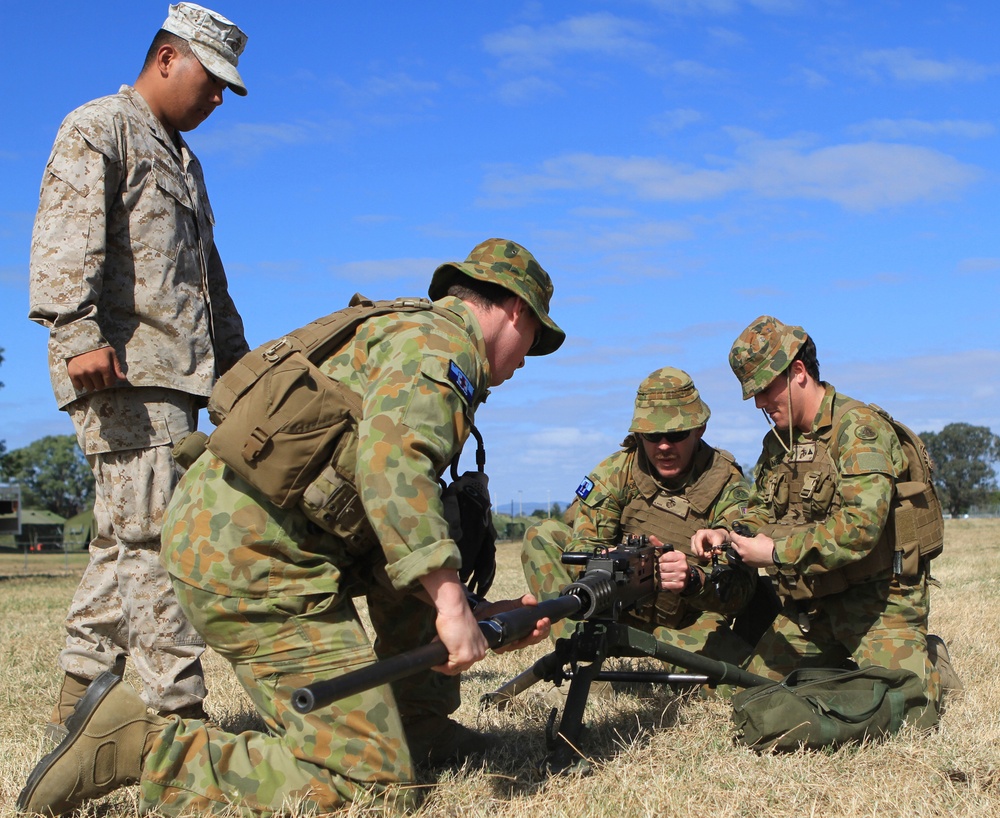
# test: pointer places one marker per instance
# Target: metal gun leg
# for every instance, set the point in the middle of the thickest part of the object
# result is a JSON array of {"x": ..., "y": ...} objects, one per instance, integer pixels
[{"x": 564, "y": 754}]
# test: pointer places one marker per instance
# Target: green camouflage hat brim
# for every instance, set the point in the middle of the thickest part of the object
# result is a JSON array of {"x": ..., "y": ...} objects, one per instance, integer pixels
[
  {"x": 763, "y": 351},
  {"x": 667, "y": 401},
  {"x": 509, "y": 265}
]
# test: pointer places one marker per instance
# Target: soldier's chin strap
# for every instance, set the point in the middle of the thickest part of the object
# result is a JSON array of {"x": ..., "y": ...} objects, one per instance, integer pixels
[{"x": 767, "y": 417}]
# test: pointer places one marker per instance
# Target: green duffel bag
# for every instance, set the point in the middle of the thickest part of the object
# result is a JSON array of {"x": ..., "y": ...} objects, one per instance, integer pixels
[{"x": 820, "y": 707}]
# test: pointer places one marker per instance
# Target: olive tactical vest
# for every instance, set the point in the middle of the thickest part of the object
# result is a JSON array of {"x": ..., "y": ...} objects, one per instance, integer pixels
[
  {"x": 674, "y": 517},
  {"x": 803, "y": 488}
]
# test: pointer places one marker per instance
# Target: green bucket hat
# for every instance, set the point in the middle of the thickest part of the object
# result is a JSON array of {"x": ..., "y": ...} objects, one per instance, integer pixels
[
  {"x": 512, "y": 267},
  {"x": 763, "y": 351},
  {"x": 668, "y": 402}
]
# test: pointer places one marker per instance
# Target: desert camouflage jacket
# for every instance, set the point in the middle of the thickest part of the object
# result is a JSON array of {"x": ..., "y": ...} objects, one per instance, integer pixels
[
  {"x": 420, "y": 377},
  {"x": 123, "y": 254},
  {"x": 835, "y": 522}
]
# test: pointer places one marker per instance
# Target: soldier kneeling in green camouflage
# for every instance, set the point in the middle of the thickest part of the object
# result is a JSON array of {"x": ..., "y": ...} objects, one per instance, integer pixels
[
  {"x": 665, "y": 482},
  {"x": 271, "y": 591},
  {"x": 820, "y": 513}
]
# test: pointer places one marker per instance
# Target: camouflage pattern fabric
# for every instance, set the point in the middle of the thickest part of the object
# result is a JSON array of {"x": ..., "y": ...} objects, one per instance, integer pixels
[
  {"x": 851, "y": 522},
  {"x": 875, "y": 621},
  {"x": 272, "y": 593},
  {"x": 125, "y": 604},
  {"x": 508, "y": 264},
  {"x": 763, "y": 351},
  {"x": 667, "y": 401},
  {"x": 123, "y": 255},
  {"x": 599, "y": 523}
]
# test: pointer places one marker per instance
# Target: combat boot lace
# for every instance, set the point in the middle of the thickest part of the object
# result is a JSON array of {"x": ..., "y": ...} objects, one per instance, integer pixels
[{"x": 108, "y": 736}]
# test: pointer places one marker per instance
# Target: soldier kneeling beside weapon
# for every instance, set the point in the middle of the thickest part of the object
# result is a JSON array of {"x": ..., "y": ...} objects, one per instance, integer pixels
[{"x": 614, "y": 581}]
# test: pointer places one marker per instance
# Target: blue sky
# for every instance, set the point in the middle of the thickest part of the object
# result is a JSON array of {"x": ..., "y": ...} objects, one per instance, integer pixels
[{"x": 678, "y": 166}]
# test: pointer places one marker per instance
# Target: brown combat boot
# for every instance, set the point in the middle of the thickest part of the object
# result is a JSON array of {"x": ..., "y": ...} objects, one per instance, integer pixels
[
  {"x": 437, "y": 740},
  {"x": 937, "y": 651},
  {"x": 72, "y": 690},
  {"x": 109, "y": 735}
]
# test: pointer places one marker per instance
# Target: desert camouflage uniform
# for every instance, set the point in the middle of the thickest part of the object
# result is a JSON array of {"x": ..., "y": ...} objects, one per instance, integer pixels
[
  {"x": 822, "y": 533},
  {"x": 624, "y": 496},
  {"x": 123, "y": 256},
  {"x": 272, "y": 593}
]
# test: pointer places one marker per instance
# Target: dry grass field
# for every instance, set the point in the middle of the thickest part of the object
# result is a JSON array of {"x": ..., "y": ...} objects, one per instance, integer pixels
[{"x": 653, "y": 754}]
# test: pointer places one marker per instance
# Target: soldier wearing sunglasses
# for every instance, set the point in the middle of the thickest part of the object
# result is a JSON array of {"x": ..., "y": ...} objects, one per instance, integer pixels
[{"x": 665, "y": 482}]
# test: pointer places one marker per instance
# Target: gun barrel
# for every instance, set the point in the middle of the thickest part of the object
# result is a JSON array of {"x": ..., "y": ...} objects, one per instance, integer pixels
[{"x": 499, "y": 630}]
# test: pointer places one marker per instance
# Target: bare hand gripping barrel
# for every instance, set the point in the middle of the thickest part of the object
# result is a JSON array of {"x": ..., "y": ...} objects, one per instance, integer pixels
[{"x": 614, "y": 581}]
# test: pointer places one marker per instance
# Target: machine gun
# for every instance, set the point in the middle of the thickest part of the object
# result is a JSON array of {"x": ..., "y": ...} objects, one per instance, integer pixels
[
  {"x": 614, "y": 581},
  {"x": 580, "y": 657}
]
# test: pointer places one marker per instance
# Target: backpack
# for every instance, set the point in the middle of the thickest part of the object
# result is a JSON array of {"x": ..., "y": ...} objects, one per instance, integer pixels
[
  {"x": 290, "y": 431},
  {"x": 916, "y": 520}
]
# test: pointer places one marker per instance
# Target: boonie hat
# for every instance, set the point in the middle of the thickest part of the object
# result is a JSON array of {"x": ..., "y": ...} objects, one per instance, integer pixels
[
  {"x": 215, "y": 41},
  {"x": 667, "y": 401},
  {"x": 508, "y": 264},
  {"x": 763, "y": 351}
]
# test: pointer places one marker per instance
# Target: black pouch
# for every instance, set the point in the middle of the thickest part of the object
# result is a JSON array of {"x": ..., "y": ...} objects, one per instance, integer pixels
[{"x": 469, "y": 512}]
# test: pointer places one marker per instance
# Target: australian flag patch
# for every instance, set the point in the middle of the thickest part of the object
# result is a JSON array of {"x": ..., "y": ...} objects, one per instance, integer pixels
[
  {"x": 584, "y": 489},
  {"x": 461, "y": 380}
]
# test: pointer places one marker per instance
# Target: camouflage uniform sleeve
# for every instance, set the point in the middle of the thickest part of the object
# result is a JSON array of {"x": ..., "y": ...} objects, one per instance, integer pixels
[
  {"x": 416, "y": 418},
  {"x": 870, "y": 459},
  {"x": 69, "y": 240},
  {"x": 603, "y": 496},
  {"x": 229, "y": 339}
]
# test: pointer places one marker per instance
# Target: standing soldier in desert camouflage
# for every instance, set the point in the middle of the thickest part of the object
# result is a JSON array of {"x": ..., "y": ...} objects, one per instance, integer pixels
[
  {"x": 665, "y": 482},
  {"x": 271, "y": 591},
  {"x": 819, "y": 511},
  {"x": 126, "y": 276}
]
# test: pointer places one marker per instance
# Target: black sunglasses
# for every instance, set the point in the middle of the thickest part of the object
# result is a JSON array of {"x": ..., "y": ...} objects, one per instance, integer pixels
[{"x": 670, "y": 437}]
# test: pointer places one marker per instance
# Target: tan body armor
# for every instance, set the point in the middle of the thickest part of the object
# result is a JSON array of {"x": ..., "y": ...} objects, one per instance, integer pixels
[
  {"x": 674, "y": 517},
  {"x": 803, "y": 488}
]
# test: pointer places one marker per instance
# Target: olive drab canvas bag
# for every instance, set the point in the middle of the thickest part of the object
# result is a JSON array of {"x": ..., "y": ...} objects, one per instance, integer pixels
[
  {"x": 819, "y": 707},
  {"x": 290, "y": 431}
]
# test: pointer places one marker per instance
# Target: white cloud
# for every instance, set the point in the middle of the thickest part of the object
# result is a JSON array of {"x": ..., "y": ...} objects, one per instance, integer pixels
[
  {"x": 671, "y": 121},
  {"x": 907, "y": 128},
  {"x": 907, "y": 65},
  {"x": 862, "y": 177},
  {"x": 527, "y": 48}
]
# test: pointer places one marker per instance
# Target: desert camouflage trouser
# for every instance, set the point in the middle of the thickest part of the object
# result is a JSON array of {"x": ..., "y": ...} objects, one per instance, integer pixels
[
  {"x": 541, "y": 558},
  {"x": 273, "y": 595},
  {"x": 875, "y": 623},
  {"x": 124, "y": 605}
]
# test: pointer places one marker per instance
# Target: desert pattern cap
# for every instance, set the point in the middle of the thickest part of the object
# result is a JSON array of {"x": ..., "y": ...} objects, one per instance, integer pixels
[
  {"x": 215, "y": 41},
  {"x": 763, "y": 351},
  {"x": 667, "y": 401},
  {"x": 508, "y": 264}
]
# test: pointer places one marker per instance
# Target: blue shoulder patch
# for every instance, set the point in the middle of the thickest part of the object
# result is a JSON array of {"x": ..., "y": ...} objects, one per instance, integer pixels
[
  {"x": 585, "y": 488},
  {"x": 461, "y": 380}
]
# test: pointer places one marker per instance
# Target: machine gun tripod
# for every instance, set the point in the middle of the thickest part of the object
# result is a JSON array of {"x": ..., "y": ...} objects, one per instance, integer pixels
[{"x": 579, "y": 659}]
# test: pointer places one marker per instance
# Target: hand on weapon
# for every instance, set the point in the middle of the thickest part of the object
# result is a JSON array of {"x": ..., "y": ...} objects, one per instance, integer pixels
[
  {"x": 673, "y": 568},
  {"x": 488, "y": 610},
  {"x": 756, "y": 550}
]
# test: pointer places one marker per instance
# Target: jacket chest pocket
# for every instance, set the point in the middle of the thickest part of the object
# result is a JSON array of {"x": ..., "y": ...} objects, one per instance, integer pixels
[{"x": 164, "y": 220}]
